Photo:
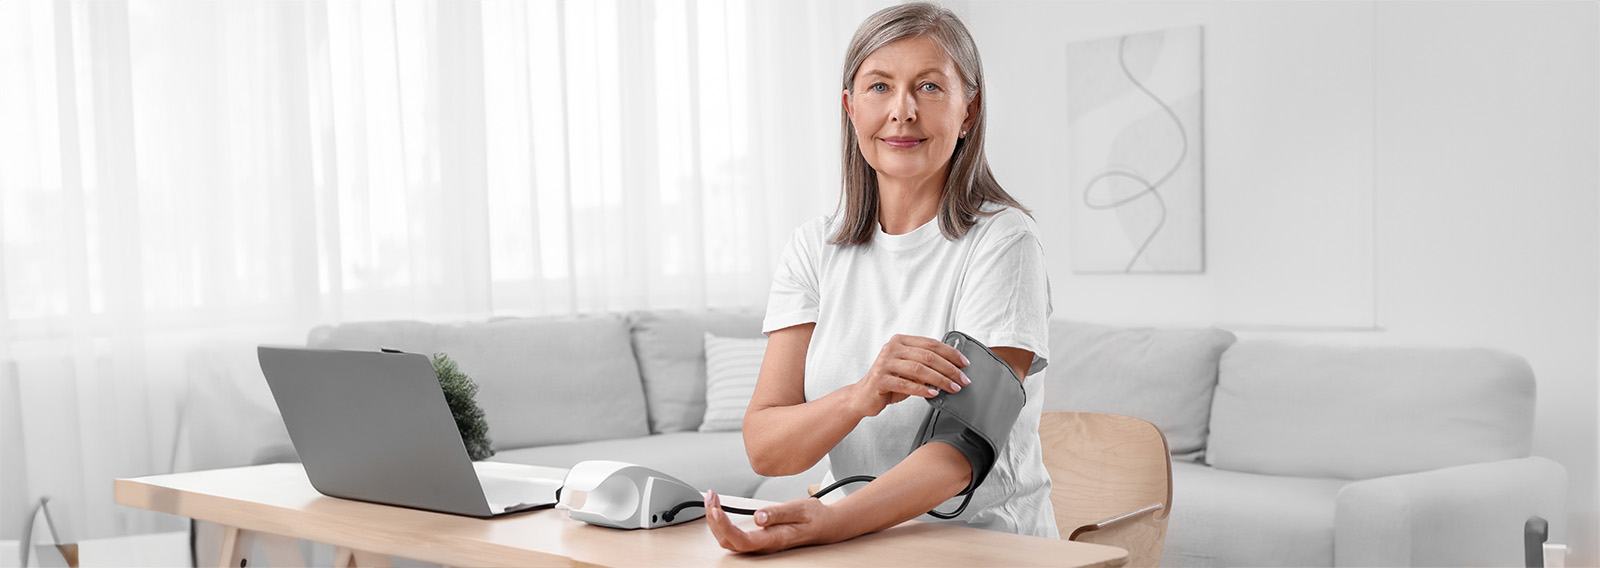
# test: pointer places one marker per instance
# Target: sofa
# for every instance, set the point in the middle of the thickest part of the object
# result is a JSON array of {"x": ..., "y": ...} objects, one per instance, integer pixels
[
  {"x": 1298, "y": 454},
  {"x": 1284, "y": 454},
  {"x": 557, "y": 391}
]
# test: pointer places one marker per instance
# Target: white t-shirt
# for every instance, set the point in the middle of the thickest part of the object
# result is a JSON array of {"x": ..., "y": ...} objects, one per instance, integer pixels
[{"x": 990, "y": 283}]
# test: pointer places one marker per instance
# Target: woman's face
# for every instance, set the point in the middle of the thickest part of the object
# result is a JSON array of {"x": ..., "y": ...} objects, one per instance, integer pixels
[{"x": 909, "y": 108}]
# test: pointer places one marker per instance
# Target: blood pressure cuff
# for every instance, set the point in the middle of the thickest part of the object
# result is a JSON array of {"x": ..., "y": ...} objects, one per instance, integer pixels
[{"x": 977, "y": 420}]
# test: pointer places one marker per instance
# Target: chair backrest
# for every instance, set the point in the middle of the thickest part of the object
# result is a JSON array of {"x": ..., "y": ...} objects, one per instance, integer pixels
[{"x": 1111, "y": 481}]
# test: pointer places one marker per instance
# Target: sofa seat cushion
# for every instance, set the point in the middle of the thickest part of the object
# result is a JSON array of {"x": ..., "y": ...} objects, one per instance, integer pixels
[
  {"x": 540, "y": 381},
  {"x": 1228, "y": 518},
  {"x": 1360, "y": 412},
  {"x": 670, "y": 347},
  {"x": 1164, "y": 376},
  {"x": 705, "y": 460}
]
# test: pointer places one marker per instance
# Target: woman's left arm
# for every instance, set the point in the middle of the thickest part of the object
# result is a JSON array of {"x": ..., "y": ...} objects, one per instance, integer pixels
[{"x": 928, "y": 477}]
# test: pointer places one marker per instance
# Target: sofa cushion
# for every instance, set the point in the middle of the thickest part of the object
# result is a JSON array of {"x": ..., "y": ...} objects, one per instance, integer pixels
[
  {"x": 1164, "y": 376},
  {"x": 732, "y": 366},
  {"x": 540, "y": 380},
  {"x": 709, "y": 460},
  {"x": 1227, "y": 518},
  {"x": 1362, "y": 412},
  {"x": 670, "y": 347}
]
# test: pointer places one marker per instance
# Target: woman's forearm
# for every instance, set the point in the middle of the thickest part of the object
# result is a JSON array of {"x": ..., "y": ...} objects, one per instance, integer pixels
[
  {"x": 786, "y": 440},
  {"x": 928, "y": 477}
]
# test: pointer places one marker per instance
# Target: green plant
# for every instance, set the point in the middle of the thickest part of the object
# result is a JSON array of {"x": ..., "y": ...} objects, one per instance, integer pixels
[{"x": 460, "y": 392}]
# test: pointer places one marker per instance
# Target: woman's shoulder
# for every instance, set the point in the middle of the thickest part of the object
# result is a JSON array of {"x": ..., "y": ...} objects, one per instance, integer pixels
[
  {"x": 813, "y": 234},
  {"x": 999, "y": 222},
  {"x": 815, "y": 229}
]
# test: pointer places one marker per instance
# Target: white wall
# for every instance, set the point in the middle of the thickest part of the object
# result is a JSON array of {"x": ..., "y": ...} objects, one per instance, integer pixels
[
  {"x": 1288, "y": 166},
  {"x": 1390, "y": 172},
  {"x": 1487, "y": 204}
]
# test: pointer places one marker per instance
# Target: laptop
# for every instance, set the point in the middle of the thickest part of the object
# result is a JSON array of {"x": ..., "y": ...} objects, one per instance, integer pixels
[{"x": 374, "y": 426}]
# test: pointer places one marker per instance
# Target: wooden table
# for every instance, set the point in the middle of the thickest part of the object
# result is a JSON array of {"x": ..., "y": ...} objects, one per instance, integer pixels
[{"x": 275, "y": 503}]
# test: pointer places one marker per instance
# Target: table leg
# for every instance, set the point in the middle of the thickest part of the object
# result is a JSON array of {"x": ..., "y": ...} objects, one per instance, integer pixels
[
  {"x": 236, "y": 545},
  {"x": 366, "y": 559},
  {"x": 344, "y": 557}
]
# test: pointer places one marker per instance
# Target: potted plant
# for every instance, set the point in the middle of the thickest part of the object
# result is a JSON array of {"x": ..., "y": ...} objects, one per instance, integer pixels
[{"x": 461, "y": 393}]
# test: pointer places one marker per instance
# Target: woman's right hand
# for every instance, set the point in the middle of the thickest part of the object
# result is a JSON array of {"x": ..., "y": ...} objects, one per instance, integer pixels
[{"x": 907, "y": 366}]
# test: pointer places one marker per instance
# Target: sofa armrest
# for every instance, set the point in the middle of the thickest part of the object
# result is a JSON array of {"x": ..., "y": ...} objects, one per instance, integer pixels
[
  {"x": 1469, "y": 515},
  {"x": 229, "y": 417}
]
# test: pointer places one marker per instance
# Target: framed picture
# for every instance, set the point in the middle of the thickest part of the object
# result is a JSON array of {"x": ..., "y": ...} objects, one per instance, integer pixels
[{"x": 1134, "y": 153}]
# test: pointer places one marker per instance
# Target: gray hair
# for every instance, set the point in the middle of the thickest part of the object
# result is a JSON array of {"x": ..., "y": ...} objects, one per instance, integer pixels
[{"x": 969, "y": 183}]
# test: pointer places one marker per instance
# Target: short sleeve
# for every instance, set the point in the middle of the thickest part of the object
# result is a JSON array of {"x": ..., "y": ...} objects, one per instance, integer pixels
[
  {"x": 1005, "y": 298},
  {"x": 794, "y": 299}
]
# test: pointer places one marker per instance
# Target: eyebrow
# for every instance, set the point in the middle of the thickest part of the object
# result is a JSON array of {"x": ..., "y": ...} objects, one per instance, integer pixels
[{"x": 928, "y": 71}]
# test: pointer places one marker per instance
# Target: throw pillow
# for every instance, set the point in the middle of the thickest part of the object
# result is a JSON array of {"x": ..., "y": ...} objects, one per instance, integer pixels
[
  {"x": 732, "y": 365},
  {"x": 670, "y": 347},
  {"x": 1360, "y": 412},
  {"x": 541, "y": 381},
  {"x": 1165, "y": 376}
]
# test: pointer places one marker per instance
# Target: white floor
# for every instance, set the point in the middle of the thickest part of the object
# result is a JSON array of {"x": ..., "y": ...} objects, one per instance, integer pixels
[{"x": 161, "y": 550}]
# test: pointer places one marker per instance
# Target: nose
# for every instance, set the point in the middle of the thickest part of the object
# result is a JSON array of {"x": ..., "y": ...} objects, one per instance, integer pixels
[{"x": 903, "y": 109}]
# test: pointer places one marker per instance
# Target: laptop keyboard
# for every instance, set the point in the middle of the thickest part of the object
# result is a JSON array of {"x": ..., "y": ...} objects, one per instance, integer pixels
[{"x": 508, "y": 493}]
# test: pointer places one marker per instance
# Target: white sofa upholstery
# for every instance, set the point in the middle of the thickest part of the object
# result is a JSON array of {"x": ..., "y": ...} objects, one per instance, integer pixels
[
  {"x": 1230, "y": 518},
  {"x": 1284, "y": 454},
  {"x": 1466, "y": 515},
  {"x": 1318, "y": 455},
  {"x": 540, "y": 381},
  {"x": 560, "y": 390}
]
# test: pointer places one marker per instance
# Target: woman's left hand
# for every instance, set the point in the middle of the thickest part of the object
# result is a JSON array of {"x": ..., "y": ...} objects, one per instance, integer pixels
[{"x": 796, "y": 523}]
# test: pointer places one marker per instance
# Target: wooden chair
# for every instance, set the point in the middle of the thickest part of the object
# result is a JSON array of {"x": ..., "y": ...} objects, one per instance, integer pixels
[
  {"x": 1111, "y": 480},
  {"x": 43, "y": 543}
]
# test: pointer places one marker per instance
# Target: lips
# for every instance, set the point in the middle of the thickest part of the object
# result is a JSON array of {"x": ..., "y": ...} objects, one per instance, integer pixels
[{"x": 902, "y": 141}]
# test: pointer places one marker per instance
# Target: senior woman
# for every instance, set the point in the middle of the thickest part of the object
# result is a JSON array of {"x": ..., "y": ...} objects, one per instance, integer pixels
[{"x": 925, "y": 241}]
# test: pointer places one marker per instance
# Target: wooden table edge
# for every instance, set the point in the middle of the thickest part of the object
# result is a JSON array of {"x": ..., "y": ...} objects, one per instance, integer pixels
[
  {"x": 247, "y": 515},
  {"x": 132, "y": 492}
]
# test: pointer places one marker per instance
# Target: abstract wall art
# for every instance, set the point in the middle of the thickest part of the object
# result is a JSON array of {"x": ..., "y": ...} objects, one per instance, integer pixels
[{"x": 1134, "y": 156}]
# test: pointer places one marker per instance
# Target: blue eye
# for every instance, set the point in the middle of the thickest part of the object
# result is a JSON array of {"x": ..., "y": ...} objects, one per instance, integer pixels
[
  {"x": 930, "y": 87},
  {"x": 879, "y": 87}
]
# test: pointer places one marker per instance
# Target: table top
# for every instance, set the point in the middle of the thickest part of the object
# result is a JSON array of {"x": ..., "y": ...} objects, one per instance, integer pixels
[{"x": 278, "y": 499}]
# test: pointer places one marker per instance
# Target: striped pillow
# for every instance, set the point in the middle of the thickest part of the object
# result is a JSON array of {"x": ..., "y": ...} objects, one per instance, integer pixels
[{"x": 732, "y": 365}]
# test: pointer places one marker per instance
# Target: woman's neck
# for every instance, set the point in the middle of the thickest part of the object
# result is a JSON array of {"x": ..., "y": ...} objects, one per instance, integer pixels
[{"x": 904, "y": 205}]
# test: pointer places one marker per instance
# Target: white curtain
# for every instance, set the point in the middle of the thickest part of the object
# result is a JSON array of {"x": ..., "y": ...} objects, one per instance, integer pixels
[{"x": 181, "y": 180}]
